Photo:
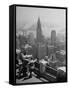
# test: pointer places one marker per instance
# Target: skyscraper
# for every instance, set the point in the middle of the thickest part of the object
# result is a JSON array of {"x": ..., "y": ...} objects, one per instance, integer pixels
[
  {"x": 39, "y": 31},
  {"x": 41, "y": 46},
  {"x": 53, "y": 37}
]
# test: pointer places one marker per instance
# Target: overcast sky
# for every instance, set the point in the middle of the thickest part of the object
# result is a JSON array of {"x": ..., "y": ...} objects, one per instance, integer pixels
[{"x": 27, "y": 16}]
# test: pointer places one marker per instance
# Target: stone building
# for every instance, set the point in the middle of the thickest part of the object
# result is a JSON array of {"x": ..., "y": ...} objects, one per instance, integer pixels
[{"x": 41, "y": 46}]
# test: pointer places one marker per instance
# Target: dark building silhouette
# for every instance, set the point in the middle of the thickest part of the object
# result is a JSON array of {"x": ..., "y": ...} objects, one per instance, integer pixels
[
  {"x": 39, "y": 31},
  {"x": 41, "y": 46},
  {"x": 53, "y": 37}
]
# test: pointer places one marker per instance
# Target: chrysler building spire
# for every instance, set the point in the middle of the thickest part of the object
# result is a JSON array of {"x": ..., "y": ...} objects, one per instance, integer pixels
[{"x": 39, "y": 31}]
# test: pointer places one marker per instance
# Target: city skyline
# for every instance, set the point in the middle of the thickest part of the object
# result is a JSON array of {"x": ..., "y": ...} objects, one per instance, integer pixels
[{"x": 51, "y": 19}]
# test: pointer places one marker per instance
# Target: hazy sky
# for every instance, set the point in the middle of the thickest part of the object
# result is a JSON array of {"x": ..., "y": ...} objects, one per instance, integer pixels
[{"x": 53, "y": 18}]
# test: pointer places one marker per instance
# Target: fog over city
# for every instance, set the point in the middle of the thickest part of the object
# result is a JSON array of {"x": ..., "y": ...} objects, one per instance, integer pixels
[
  {"x": 51, "y": 19},
  {"x": 40, "y": 45}
]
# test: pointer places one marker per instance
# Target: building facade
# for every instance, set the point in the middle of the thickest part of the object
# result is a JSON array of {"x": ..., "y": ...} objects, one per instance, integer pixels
[
  {"x": 53, "y": 37},
  {"x": 41, "y": 46}
]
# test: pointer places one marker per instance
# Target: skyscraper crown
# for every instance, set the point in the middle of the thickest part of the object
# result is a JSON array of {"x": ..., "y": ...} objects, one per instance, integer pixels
[{"x": 39, "y": 31}]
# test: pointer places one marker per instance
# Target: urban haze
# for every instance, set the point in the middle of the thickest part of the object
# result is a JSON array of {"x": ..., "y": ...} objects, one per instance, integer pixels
[{"x": 40, "y": 45}]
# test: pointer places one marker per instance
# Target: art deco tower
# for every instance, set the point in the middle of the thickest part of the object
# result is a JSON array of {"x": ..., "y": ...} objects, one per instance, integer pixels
[
  {"x": 39, "y": 31},
  {"x": 41, "y": 48},
  {"x": 53, "y": 37}
]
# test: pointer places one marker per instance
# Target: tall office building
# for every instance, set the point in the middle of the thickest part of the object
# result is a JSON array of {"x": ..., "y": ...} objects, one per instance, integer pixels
[
  {"x": 51, "y": 48},
  {"x": 53, "y": 37},
  {"x": 41, "y": 46},
  {"x": 39, "y": 31}
]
